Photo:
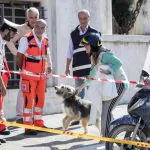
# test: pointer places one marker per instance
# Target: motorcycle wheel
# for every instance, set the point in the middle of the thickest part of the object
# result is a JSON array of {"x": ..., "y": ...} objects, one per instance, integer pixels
[{"x": 125, "y": 132}]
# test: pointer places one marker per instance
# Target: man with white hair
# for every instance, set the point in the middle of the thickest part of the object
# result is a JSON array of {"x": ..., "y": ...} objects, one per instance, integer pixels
[
  {"x": 32, "y": 15},
  {"x": 32, "y": 57},
  {"x": 76, "y": 53}
]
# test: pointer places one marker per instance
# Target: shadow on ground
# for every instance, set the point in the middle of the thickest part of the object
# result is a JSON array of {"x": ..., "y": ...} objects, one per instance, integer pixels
[{"x": 55, "y": 143}]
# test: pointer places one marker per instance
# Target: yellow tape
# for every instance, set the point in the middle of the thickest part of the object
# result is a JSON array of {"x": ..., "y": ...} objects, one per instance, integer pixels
[{"x": 135, "y": 143}]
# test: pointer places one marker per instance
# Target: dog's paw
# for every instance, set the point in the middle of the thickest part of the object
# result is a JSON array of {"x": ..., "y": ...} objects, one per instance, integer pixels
[{"x": 64, "y": 129}]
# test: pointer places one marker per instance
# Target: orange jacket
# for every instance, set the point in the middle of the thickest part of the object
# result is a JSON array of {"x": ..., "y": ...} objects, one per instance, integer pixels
[{"x": 34, "y": 60}]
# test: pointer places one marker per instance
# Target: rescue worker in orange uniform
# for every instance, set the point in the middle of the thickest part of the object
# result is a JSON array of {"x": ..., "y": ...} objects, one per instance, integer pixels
[
  {"x": 7, "y": 31},
  {"x": 32, "y": 14},
  {"x": 33, "y": 57}
]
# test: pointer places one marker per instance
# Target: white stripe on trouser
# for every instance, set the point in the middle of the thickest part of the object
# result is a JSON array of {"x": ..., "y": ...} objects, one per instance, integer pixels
[
  {"x": 27, "y": 119},
  {"x": 37, "y": 109},
  {"x": 27, "y": 111},
  {"x": 2, "y": 118},
  {"x": 82, "y": 49},
  {"x": 81, "y": 67},
  {"x": 37, "y": 117},
  {"x": 1, "y": 112}
]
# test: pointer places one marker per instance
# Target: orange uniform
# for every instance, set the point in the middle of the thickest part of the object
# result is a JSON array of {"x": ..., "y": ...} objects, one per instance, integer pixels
[{"x": 34, "y": 85}]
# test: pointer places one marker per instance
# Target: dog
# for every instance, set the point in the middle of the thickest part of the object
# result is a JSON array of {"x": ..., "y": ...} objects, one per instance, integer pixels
[{"x": 75, "y": 108}]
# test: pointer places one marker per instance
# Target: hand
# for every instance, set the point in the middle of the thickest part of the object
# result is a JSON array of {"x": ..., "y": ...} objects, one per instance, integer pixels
[
  {"x": 104, "y": 71},
  {"x": 49, "y": 70},
  {"x": 67, "y": 72},
  {"x": 80, "y": 88},
  {"x": 3, "y": 91}
]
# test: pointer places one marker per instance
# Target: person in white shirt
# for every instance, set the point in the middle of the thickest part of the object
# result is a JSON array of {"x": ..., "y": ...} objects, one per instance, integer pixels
[{"x": 7, "y": 32}]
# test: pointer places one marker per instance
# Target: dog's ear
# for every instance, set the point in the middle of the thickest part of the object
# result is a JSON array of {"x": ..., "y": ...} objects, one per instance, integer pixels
[
  {"x": 62, "y": 86},
  {"x": 56, "y": 87}
]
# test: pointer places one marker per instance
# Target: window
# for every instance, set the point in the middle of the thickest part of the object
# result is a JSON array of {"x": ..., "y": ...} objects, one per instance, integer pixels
[{"x": 15, "y": 12}]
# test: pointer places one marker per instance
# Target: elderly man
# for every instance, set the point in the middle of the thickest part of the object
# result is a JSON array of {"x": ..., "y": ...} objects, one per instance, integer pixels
[
  {"x": 32, "y": 15},
  {"x": 81, "y": 62},
  {"x": 7, "y": 32},
  {"x": 32, "y": 56}
]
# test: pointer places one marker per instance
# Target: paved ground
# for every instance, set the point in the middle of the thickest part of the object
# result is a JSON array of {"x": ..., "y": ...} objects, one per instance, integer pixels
[{"x": 49, "y": 141}]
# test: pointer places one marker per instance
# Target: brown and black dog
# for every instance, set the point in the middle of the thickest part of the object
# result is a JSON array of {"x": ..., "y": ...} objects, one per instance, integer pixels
[{"x": 75, "y": 108}]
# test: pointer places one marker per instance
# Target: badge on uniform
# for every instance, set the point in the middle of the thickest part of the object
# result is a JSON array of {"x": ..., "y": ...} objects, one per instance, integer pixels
[
  {"x": 32, "y": 44},
  {"x": 25, "y": 86}
]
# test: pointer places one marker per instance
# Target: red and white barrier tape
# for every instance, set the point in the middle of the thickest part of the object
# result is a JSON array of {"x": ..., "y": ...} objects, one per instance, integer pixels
[{"x": 78, "y": 78}]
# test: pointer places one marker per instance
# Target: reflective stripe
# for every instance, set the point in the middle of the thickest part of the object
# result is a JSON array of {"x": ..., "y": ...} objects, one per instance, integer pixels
[
  {"x": 27, "y": 111},
  {"x": 1, "y": 113},
  {"x": 35, "y": 57},
  {"x": 2, "y": 118},
  {"x": 35, "y": 74},
  {"x": 78, "y": 50},
  {"x": 81, "y": 67},
  {"x": 37, "y": 117},
  {"x": 27, "y": 115},
  {"x": 38, "y": 113},
  {"x": 28, "y": 119},
  {"x": 37, "y": 109}
]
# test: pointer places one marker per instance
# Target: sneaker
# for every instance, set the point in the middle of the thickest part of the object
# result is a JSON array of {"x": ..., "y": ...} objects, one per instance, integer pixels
[
  {"x": 19, "y": 121},
  {"x": 2, "y": 141},
  {"x": 30, "y": 132},
  {"x": 5, "y": 132}
]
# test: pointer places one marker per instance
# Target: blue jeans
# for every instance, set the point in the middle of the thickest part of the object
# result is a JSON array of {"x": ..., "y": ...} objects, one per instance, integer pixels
[{"x": 77, "y": 84}]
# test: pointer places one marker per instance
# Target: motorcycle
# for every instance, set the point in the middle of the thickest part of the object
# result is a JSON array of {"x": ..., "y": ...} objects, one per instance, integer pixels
[{"x": 136, "y": 125}]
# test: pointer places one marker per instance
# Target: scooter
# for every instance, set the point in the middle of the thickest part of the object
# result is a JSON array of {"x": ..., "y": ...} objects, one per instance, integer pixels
[{"x": 136, "y": 125}]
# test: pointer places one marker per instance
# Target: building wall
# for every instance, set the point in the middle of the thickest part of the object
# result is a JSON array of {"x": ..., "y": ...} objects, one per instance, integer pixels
[{"x": 67, "y": 20}]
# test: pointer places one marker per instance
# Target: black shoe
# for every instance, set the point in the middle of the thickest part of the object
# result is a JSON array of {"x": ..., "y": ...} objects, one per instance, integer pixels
[
  {"x": 75, "y": 123},
  {"x": 19, "y": 121},
  {"x": 2, "y": 141},
  {"x": 5, "y": 132},
  {"x": 30, "y": 132}
]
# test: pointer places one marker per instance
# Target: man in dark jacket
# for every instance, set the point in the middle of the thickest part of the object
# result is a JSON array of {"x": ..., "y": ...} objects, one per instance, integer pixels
[{"x": 76, "y": 54}]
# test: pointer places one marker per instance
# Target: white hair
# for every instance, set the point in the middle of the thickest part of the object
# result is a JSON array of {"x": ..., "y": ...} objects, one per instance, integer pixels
[
  {"x": 32, "y": 9},
  {"x": 85, "y": 11},
  {"x": 41, "y": 20}
]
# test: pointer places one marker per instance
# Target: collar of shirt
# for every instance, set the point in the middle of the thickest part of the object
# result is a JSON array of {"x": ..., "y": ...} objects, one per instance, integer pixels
[
  {"x": 83, "y": 32},
  {"x": 39, "y": 42}
]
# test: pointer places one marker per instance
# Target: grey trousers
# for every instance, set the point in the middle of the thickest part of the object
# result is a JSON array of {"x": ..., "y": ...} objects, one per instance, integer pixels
[
  {"x": 19, "y": 105},
  {"x": 107, "y": 108}
]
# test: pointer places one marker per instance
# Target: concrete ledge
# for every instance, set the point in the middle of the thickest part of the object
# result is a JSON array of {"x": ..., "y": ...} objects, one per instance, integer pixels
[{"x": 126, "y": 38}]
